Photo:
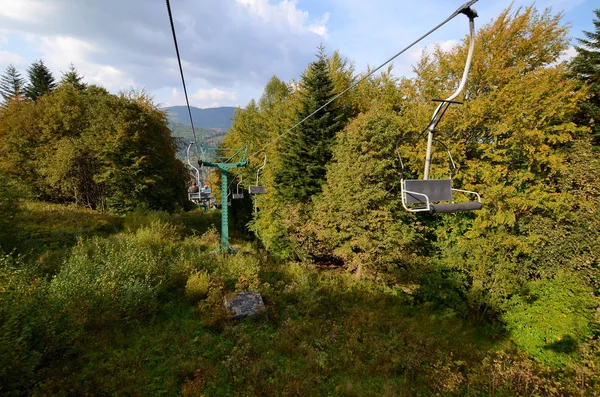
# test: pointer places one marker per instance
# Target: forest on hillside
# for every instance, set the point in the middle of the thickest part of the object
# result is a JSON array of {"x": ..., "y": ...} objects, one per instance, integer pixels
[{"x": 111, "y": 283}]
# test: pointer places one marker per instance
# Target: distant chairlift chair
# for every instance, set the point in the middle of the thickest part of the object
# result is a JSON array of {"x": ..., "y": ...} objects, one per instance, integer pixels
[
  {"x": 193, "y": 196},
  {"x": 419, "y": 195},
  {"x": 256, "y": 189},
  {"x": 239, "y": 194}
]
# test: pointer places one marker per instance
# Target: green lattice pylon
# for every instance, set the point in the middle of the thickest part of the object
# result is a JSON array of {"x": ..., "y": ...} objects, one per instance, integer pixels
[{"x": 224, "y": 162}]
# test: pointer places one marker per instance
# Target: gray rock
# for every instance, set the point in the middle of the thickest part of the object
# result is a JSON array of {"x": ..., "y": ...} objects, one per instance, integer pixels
[{"x": 245, "y": 304}]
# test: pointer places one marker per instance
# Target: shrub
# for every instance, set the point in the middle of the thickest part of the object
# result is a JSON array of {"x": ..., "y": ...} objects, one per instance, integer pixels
[
  {"x": 551, "y": 317},
  {"x": 238, "y": 271},
  {"x": 33, "y": 328},
  {"x": 105, "y": 279},
  {"x": 8, "y": 211},
  {"x": 142, "y": 217},
  {"x": 197, "y": 286}
]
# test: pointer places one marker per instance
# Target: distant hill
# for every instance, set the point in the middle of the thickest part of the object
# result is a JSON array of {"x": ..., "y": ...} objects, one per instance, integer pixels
[
  {"x": 210, "y": 124},
  {"x": 213, "y": 118}
]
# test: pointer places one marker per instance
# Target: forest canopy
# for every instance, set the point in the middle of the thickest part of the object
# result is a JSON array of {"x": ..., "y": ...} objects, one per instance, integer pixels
[
  {"x": 81, "y": 144},
  {"x": 517, "y": 141},
  {"x": 102, "y": 295}
]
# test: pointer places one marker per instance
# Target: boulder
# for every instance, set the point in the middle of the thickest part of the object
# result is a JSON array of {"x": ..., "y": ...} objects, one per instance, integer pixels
[{"x": 245, "y": 304}]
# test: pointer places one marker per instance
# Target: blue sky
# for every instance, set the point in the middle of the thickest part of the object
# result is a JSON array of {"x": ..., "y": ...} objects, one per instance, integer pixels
[{"x": 231, "y": 48}]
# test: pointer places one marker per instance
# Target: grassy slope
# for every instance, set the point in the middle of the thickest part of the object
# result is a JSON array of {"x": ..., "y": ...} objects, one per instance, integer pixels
[{"x": 326, "y": 334}]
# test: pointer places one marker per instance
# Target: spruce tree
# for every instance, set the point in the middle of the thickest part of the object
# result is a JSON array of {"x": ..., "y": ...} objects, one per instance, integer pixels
[
  {"x": 11, "y": 84},
  {"x": 73, "y": 78},
  {"x": 40, "y": 80},
  {"x": 307, "y": 150},
  {"x": 586, "y": 67}
]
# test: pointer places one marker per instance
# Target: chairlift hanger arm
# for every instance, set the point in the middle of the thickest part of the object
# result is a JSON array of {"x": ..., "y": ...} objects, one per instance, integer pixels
[
  {"x": 464, "y": 9},
  {"x": 443, "y": 106},
  {"x": 437, "y": 115}
]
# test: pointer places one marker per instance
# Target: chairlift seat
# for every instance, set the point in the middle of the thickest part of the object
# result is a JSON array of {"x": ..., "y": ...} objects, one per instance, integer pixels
[
  {"x": 426, "y": 191},
  {"x": 455, "y": 207},
  {"x": 237, "y": 196},
  {"x": 434, "y": 189},
  {"x": 257, "y": 189}
]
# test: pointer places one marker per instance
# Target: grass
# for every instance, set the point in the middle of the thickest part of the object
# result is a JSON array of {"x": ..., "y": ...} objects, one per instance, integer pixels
[
  {"x": 325, "y": 336},
  {"x": 131, "y": 330},
  {"x": 47, "y": 226}
]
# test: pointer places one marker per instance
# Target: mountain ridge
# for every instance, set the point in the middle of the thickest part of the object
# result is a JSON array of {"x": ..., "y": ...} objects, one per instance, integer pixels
[{"x": 220, "y": 118}]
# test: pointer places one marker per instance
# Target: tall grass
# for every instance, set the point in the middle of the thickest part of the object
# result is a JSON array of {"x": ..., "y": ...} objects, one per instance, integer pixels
[{"x": 140, "y": 312}]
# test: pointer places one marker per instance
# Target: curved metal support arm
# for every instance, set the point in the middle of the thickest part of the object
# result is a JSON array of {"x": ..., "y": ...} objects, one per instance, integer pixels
[
  {"x": 435, "y": 119},
  {"x": 263, "y": 166},
  {"x": 190, "y": 163},
  {"x": 237, "y": 187},
  {"x": 452, "y": 163},
  {"x": 443, "y": 106}
]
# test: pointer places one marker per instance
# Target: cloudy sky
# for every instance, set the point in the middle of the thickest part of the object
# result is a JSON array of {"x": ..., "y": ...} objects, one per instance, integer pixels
[{"x": 230, "y": 48}]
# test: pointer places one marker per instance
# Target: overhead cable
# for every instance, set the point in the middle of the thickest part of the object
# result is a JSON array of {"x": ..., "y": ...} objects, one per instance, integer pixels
[
  {"x": 181, "y": 72},
  {"x": 462, "y": 9}
]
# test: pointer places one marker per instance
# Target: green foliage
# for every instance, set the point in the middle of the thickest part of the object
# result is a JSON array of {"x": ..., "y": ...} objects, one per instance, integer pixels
[
  {"x": 11, "y": 84},
  {"x": 308, "y": 148},
  {"x": 117, "y": 319},
  {"x": 52, "y": 227},
  {"x": 93, "y": 148},
  {"x": 197, "y": 285},
  {"x": 584, "y": 67},
  {"x": 549, "y": 318},
  {"x": 498, "y": 302},
  {"x": 359, "y": 216},
  {"x": 73, "y": 78},
  {"x": 512, "y": 140},
  {"x": 9, "y": 195},
  {"x": 106, "y": 280},
  {"x": 41, "y": 81},
  {"x": 34, "y": 330}
]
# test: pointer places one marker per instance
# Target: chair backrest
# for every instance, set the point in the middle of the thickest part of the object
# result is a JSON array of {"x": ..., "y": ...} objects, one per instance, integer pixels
[
  {"x": 257, "y": 189},
  {"x": 434, "y": 189}
]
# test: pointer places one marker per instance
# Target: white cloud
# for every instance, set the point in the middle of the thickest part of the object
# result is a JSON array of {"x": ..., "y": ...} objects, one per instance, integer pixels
[
  {"x": 60, "y": 49},
  {"x": 229, "y": 49},
  {"x": 320, "y": 26},
  {"x": 214, "y": 94},
  {"x": 285, "y": 12},
  {"x": 148, "y": 34},
  {"x": 58, "y": 52},
  {"x": 567, "y": 54},
  {"x": 202, "y": 98},
  {"x": 11, "y": 58},
  {"x": 26, "y": 10}
]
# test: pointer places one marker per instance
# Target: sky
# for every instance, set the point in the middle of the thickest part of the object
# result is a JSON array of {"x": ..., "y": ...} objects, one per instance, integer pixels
[{"x": 231, "y": 48}]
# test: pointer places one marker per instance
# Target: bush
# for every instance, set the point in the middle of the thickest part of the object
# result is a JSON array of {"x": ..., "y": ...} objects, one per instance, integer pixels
[
  {"x": 107, "y": 279},
  {"x": 8, "y": 211},
  {"x": 34, "y": 329},
  {"x": 238, "y": 271},
  {"x": 142, "y": 217},
  {"x": 197, "y": 286},
  {"x": 551, "y": 317}
]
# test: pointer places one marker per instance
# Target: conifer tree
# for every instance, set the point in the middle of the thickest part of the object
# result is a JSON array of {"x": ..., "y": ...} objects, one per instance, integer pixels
[
  {"x": 586, "y": 67},
  {"x": 73, "y": 78},
  {"x": 308, "y": 148},
  {"x": 11, "y": 84},
  {"x": 40, "y": 80}
]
